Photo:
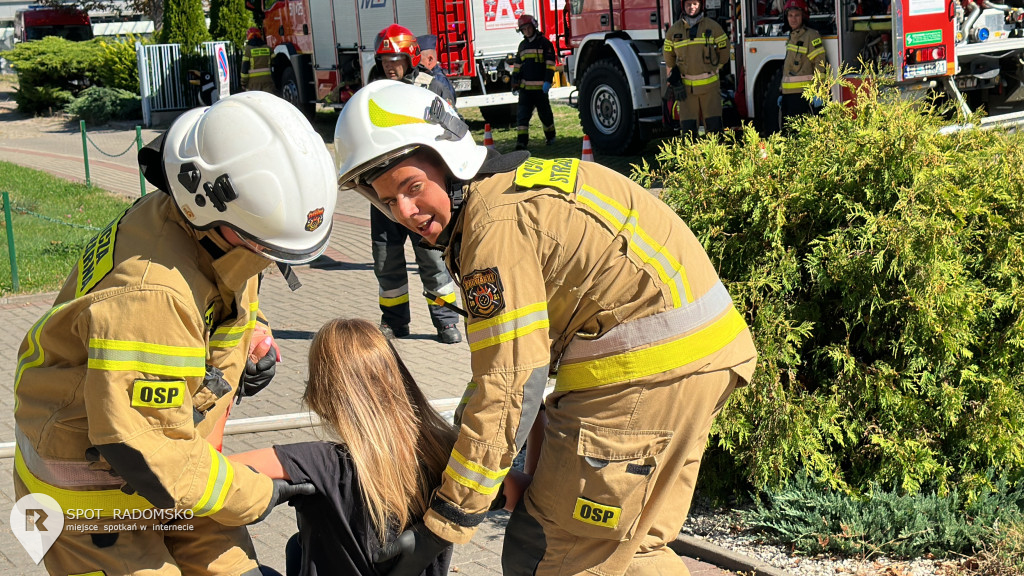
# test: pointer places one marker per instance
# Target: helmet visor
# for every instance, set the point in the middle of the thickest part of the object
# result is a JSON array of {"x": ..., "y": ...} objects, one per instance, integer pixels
[{"x": 286, "y": 255}]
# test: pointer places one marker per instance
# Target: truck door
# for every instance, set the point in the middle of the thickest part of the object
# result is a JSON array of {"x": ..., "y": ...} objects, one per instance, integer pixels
[
  {"x": 321, "y": 18},
  {"x": 923, "y": 37}
]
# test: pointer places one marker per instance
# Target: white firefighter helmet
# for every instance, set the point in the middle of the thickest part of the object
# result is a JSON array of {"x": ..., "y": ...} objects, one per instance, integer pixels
[
  {"x": 385, "y": 122},
  {"x": 253, "y": 163}
]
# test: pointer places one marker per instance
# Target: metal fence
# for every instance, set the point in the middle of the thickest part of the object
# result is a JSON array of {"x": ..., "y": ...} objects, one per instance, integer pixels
[{"x": 163, "y": 75}]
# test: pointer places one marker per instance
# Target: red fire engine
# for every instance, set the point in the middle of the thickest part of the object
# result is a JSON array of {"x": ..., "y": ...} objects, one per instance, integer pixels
[
  {"x": 324, "y": 49},
  {"x": 970, "y": 49},
  {"x": 37, "y": 22}
]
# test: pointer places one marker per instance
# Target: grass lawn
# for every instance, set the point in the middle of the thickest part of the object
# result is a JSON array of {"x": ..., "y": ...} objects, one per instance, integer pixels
[{"x": 52, "y": 220}]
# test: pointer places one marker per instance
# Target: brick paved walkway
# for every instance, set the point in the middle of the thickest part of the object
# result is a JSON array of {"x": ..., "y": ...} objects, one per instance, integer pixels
[{"x": 339, "y": 284}]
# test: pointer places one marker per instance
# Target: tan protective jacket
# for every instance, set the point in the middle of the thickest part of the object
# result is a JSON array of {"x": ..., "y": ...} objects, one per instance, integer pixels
[
  {"x": 549, "y": 258},
  {"x": 699, "y": 58},
  {"x": 805, "y": 54},
  {"x": 119, "y": 361},
  {"x": 255, "y": 73}
]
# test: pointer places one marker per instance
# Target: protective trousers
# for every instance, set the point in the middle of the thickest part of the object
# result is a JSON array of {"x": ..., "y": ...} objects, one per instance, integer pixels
[
  {"x": 707, "y": 104},
  {"x": 528, "y": 100},
  {"x": 199, "y": 546},
  {"x": 389, "y": 266},
  {"x": 636, "y": 450}
]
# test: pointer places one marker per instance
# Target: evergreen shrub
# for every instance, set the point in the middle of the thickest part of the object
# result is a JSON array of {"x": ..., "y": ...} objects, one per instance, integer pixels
[
  {"x": 229, "y": 20},
  {"x": 184, "y": 23},
  {"x": 880, "y": 266},
  {"x": 98, "y": 105},
  {"x": 51, "y": 71}
]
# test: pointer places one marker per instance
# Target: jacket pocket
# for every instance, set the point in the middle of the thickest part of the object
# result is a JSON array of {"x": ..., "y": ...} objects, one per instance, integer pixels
[{"x": 615, "y": 471}]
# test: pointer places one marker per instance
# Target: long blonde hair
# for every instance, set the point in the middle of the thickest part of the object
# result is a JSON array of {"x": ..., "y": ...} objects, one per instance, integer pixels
[{"x": 398, "y": 443}]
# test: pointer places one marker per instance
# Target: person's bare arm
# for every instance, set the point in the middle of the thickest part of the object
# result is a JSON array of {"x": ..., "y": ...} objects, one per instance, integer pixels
[{"x": 262, "y": 460}]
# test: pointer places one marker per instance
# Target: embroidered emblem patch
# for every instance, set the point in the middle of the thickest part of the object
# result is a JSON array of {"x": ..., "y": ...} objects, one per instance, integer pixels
[
  {"x": 483, "y": 292},
  {"x": 314, "y": 219}
]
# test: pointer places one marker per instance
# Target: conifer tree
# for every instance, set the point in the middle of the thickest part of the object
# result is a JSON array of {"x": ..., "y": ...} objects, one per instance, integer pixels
[
  {"x": 184, "y": 24},
  {"x": 229, "y": 21}
]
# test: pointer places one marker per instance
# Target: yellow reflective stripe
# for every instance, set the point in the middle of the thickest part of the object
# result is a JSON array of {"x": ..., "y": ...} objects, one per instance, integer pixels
[
  {"x": 449, "y": 298},
  {"x": 507, "y": 326},
  {"x": 474, "y": 476},
  {"x": 217, "y": 485},
  {"x": 470, "y": 389},
  {"x": 230, "y": 336},
  {"x": 126, "y": 355},
  {"x": 649, "y": 251},
  {"x": 794, "y": 85},
  {"x": 384, "y": 119},
  {"x": 106, "y": 501},
  {"x": 701, "y": 82},
  {"x": 653, "y": 360},
  {"x": 797, "y": 49},
  {"x": 389, "y": 302},
  {"x": 34, "y": 354},
  {"x": 815, "y": 53}
]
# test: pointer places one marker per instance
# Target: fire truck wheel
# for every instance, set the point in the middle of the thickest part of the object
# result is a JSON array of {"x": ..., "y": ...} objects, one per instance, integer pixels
[
  {"x": 769, "y": 113},
  {"x": 606, "y": 109},
  {"x": 290, "y": 92}
]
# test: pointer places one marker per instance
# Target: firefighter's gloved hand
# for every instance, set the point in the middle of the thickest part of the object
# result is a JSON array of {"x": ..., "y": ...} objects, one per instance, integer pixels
[
  {"x": 410, "y": 553},
  {"x": 258, "y": 375},
  {"x": 818, "y": 102},
  {"x": 283, "y": 492},
  {"x": 545, "y": 87},
  {"x": 679, "y": 90}
]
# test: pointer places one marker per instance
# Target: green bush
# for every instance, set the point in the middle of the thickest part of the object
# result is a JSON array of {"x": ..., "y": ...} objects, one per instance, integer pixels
[
  {"x": 812, "y": 519},
  {"x": 880, "y": 265},
  {"x": 99, "y": 105},
  {"x": 120, "y": 67},
  {"x": 229, "y": 21},
  {"x": 185, "y": 24},
  {"x": 53, "y": 70}
]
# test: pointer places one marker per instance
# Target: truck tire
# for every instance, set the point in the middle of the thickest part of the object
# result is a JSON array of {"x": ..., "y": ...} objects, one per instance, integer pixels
[
  {"x": 606, "y": 110},
  {"x": 290, "y": 92},
  {"x": 769, "y": 120},
  {"x": 500, "y": 115}
]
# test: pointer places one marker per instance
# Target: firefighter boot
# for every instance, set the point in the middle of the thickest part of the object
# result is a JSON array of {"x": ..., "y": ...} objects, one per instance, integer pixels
[
  {"x": 549, "y": 135},
  {"x": 522, "y": 137},
  {"x": 449, "y": 334}
]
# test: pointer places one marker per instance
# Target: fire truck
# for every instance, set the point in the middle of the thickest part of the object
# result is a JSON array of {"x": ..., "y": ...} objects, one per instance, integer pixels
[
  {"x": 37, "y": 22},
  {"x": 324, "y": 49},
  {"x": 972, "y": 50}
]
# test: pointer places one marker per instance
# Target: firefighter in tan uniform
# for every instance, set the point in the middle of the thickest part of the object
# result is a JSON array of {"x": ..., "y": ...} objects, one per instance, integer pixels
[
  {"x": 256, "y": 63},
  {"x": 695, "y": 49},
  {"x": 118, "y": 385},
  {"x": 805, "y": 55},
  {"x": 567, "y": 267}
]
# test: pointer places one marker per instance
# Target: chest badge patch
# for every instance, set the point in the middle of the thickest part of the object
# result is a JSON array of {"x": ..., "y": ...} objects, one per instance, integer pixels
[{"x": 483, "y": 292}]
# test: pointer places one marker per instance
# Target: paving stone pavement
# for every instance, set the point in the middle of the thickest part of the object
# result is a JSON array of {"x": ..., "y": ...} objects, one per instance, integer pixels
[{"x": 339, "y": 284}]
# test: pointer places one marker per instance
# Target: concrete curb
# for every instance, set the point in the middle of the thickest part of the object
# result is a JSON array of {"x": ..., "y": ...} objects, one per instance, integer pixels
[
  {"x": 23, "y": 299},
  {"x": 705, "y": 551}
]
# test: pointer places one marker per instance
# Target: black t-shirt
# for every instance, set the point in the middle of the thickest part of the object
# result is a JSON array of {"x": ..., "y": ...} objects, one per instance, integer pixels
[{"x": 335, "y": 531}]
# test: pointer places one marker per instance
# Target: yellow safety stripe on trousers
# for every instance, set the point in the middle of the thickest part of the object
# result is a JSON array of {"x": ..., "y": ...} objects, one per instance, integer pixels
[
  {"x": 158, "y": 359},
  {"x": 507, "y": 326},
  {"x": 652, "y": 360},
  {"x": 690, "y": 81},
  {"x": 106, "y": 501},
  {"x": 791, "y": 82},
  {"x": 650, "y": 252},
  {"x": 257, "y": 73},
  {"x": 34, "y": 354},
  {"x": 394, "y": 296},
  {"x": 230, "y": 336},
  {"x": 449, "y": 298},
  {"x": 217, "y": 485},
  {"x": 474, "y": 476}
]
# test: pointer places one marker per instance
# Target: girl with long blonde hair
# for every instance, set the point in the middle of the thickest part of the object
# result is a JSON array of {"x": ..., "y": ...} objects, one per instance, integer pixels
[{"x": 390, "y": 451}]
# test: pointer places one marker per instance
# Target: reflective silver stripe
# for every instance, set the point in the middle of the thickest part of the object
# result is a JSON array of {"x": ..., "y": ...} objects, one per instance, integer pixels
[
  {"x": 672, "y": 273},
  {"x": 805, "y": 78},
  {"x": 508, "y": 326},
  {"x": 447, "y": 289},
  {"x": 700, "y": 76},
  {"x": 217, "y": 487},
  {"x": 394, "y": 292},
  {"x": 63, "y": 474},
  {"x": 630, "y": 335}
]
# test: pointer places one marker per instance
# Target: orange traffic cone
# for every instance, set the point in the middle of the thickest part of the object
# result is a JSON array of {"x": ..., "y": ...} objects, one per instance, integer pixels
[
  {"x": 488, "y": 139},
  {"x": 588, "y": 153}
]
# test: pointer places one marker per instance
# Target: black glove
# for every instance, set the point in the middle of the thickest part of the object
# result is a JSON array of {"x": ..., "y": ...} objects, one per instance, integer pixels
[
  {"x": 414, "y": 550},
  {"x": 257, "y": 375},
  {"x": 283, "y": 492},
  {"x": 680, "y": 92},
  {"x": 675, "y": 82}
]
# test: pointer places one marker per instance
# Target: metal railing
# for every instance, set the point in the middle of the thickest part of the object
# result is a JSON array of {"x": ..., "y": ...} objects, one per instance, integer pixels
[{"x": 163, "y": 75}]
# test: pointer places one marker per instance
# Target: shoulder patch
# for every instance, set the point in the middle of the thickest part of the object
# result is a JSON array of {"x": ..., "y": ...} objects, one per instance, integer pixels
[
  {"x": 816, "y": 42},
  {"x": 158, "y": 393},
  {"x": 559, "y": 174},
  {"x": 97, "y": 259},
  {"x": 483, "y": 292}
]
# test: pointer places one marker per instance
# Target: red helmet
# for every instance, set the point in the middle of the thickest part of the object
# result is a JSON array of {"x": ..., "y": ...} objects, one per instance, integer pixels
[
  {"x": 527, "y": 19},
  {"x": 797, "y": 5},
  {"x": 397, "y": 39},
  {"x": 253, "y": 33}
]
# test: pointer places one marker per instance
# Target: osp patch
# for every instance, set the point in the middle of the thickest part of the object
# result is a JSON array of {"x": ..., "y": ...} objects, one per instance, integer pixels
[{"x": 483, "y": 292}]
